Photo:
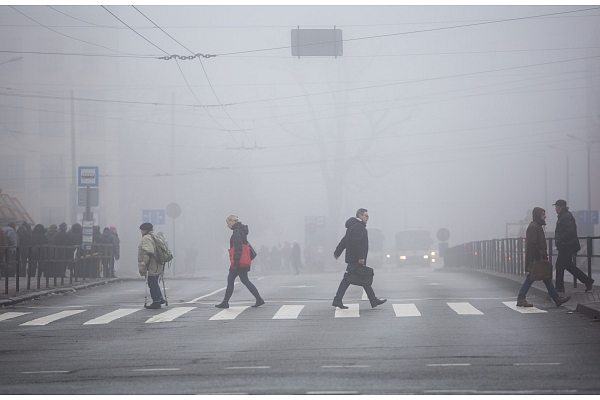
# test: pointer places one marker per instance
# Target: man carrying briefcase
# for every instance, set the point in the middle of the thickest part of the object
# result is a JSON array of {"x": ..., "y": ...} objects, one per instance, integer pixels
[{"x": 356, "y": 244}]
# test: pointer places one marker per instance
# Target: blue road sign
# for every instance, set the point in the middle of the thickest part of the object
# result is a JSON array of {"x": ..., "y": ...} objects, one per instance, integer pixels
[
  {"x": 155, "y": 217},
  {"x": 587, "y": 217}
]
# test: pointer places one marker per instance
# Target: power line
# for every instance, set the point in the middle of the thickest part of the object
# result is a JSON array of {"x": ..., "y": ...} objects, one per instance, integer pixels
[
  {"x": 204, "y": 70},
  {"x": 124, "y": 55},
  {"x": 133, "y": 29},
  {"x": 417, "y": 31},
  {"x": 62, "y": 34},
  {"x": 77, "y": 19}
]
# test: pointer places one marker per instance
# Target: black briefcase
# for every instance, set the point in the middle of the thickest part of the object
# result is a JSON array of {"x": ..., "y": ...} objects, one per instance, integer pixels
[{"x": 360, "y": 275}]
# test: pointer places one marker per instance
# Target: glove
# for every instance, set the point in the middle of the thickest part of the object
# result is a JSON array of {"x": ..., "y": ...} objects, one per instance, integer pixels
[{"x": 142, "y": 268}]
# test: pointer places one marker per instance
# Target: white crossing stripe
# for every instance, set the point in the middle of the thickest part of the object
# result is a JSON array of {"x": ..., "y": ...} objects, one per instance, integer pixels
[
  {"x": 111, "y": 316},
  {"x": 350, "y": 312},
  {"x": 9, "y": 315},
  {"x": 228, "y": 313},
  {"x": 464, "y": 309},
  {"x": 523, "y": 310},
  {"x": 406, "y": 310},
  {"x": 170, "y": 315},
  {"x": 364, "y": 295},
  {"x": 51, "y": 318},
  {"x": 288, "y": 312}
]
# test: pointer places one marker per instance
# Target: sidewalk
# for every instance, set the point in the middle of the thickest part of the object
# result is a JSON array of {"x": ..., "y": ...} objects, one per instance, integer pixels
[{"x": 585, "y": 303}]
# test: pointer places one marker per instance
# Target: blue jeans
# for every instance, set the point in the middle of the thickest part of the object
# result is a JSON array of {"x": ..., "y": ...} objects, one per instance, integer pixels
[
  {"x": 155, "y": 292},
  {"x": 527, "y": 285},
  {"x": 234, "y": 273}
]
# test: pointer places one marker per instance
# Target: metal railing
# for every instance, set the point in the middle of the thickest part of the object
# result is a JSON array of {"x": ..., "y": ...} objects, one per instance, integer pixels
[
  {"x": 508, "y": 255},
  {"x": 50, "y": 261}
]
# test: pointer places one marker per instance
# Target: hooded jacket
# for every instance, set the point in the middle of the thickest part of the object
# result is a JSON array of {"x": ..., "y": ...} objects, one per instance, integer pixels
[
  {"x": 536, "y": 247},
  {"x": 355, "y": 242},
  {"x": 238, "y": 238},
  {"x": 565, "y": 233}
]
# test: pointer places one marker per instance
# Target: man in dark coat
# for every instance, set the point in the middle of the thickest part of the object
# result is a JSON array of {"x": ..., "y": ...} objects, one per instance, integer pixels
[
  {"x": 537, "y": 249},
  {"x": 567, "y": 245},
  {"x": 356, "y": 244},
  {"x": 62, "y": 254}
]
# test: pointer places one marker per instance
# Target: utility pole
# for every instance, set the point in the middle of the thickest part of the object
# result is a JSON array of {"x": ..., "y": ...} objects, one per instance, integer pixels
[{"x": 73, "y": 196}]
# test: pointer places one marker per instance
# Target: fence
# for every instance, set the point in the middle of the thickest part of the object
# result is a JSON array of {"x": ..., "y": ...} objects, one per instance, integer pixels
[
  {"x": 31, "y": 262},
  {"x": 508, "y": 255}
]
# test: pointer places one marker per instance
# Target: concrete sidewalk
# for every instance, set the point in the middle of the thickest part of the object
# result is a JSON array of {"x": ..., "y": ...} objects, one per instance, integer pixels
[{"x": 585, "y": 303}]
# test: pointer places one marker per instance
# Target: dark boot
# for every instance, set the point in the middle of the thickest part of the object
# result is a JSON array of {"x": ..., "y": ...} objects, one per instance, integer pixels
[
  {"x": 223, "y": 304},
  {"x": 339, "y": 304},
  {"x": 259, "y": 302},
  {"x": 154, "y": 306}
]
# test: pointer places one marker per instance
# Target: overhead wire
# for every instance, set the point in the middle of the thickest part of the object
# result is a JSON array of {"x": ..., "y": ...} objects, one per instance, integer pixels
[
  {"x": 62, "y": 34},
  {"x": 203, "y": 69}
]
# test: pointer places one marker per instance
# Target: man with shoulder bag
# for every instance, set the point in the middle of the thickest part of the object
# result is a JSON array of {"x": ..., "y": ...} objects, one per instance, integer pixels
[
  {"x": 149, "y": 265},
  {"x": 536, "y": 255},
  {"x": 356, "y": 244}
]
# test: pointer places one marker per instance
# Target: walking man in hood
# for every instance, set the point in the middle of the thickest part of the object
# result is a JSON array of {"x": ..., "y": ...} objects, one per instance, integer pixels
[
  {"x": 567, "y": 245},
  {"x": 356, "y": 244},
  {"x": 536, "y": 249}
]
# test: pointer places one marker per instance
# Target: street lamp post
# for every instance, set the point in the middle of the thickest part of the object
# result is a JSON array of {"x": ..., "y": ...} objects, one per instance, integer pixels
[
  {"x": 589, "y": 182},
  {"x": 567, "y": 153}
]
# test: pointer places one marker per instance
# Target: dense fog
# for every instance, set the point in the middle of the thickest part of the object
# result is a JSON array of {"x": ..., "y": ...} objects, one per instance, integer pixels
[{"x": 456, "y": 117}]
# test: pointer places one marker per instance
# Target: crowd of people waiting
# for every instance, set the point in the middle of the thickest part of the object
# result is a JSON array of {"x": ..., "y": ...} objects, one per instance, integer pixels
[
  {"x": 280, "y": 258},
  {"x": 40, "y": 244}
]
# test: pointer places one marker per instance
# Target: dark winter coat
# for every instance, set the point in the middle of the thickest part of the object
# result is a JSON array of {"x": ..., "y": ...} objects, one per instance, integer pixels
[
  {"x": 355, "y": 242},
  {"x": 536, "y": 247},
  {"x": 39, "y": 239},
  {"x": 108, "y": 238},
  {"x": 24, "y": 233},
  {"x": 238, "y": 237},
  {"x": 565, "y": 233}
]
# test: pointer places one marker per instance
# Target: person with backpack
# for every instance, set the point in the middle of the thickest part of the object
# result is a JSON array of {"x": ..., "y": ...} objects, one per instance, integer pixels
[
  {"x": 149, "y": 264},
  {"x": 240, "y": 260}
]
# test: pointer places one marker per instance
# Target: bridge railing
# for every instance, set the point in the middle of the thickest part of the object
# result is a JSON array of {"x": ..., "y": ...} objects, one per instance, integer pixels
[
  {"x": 49, "y": 261},
  {"x": 508, "y": 255}
]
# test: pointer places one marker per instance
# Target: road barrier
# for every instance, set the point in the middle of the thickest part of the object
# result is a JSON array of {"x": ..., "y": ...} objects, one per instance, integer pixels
[
  {"x": 508, "y": 255},
  {"x": 31, "y": 262}
]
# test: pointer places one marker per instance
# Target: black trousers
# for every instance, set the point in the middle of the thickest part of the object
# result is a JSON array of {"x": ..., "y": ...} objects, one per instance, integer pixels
[
  {"x": 564, "y": 261},
  {"x": 234, "y": 273}
]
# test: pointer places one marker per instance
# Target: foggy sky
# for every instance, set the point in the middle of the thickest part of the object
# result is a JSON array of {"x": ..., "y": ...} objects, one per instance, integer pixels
[{"x": 434, "y": 116}]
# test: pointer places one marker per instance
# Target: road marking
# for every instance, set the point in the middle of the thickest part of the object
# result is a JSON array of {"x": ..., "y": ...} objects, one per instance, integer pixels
[
  {"x": 51, "y": 318},
  {"x": 464, "y": 309},
  {"x": 111, "y": 316},
  {"x": 474, "y": 391},
  {"x": 228, "y": 313},
  {"x": 207, "y": 295},
  {"x": 333, "y": 392},
  {"x": 45, "y": 372},
  {"x": 535, "y": 364},
  {"x": 406, "y": 310},
  {"x": 288, "y": 312},
  {"x": 364, "y": 295},
  {"x": 155, "y": 369},
  {"x": 523, "y": 310},
  {"x": 170, "y": 315},
  {"x": 296, "y": 287},
  {"x": 351, "y": 312},
  {"x": 448, "y": 365},
  {"x": 9, "y": 315},
  {"x": 345, "y": 366},
  {"x": 259, "y": 367}
]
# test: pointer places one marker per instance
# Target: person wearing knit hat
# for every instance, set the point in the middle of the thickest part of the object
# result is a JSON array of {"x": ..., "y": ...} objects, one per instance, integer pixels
[{"x": 149, "y": 266}]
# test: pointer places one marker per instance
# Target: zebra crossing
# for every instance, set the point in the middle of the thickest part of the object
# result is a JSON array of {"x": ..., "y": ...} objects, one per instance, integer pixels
[{"x": 284, "y": 312}]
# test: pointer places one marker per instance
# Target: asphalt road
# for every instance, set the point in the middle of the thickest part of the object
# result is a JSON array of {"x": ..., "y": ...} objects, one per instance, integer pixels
[{"x": 441, "y": 332}]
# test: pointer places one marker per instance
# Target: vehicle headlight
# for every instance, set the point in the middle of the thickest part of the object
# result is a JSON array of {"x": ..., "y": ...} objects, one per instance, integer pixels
[
  {"x": 433, "y": 253},
  {"x": 433, "y": 260},
  {"x": 425, "y": 256},
  {"x": 403, "y": 257}
]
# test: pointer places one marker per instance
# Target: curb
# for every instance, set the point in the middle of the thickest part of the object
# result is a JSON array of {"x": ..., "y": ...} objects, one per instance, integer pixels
[
  {"x": 590, "y": 309},
  {"x": 35, "y": 295}
]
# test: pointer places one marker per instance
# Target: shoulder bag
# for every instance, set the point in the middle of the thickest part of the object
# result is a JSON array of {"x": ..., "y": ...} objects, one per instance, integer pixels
[
  {"x": 540, "y": 270},
  {"x": 360, "y": 275}
]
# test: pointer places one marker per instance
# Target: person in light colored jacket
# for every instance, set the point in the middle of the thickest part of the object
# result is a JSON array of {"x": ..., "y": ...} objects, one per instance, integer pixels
[{"x": 147, "y": 263}]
